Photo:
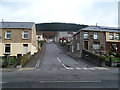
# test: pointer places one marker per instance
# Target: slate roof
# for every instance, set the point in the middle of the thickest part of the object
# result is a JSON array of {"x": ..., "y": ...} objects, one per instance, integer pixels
[
  {"x": 17, "y": 25},
  {"x": 99, "y": 28}
]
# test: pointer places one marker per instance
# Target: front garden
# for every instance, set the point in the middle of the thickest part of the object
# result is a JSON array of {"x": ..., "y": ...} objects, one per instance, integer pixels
[
  {"x": 7, "y": 62},
  {"x": 112, "y": 59}
]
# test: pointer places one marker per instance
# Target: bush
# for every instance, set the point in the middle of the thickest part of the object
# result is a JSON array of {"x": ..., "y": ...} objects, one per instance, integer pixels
[
  {"x": 25, "y": 59},
  {"x": 12, "y": 60},
  {"x": 42, "y": 42}
]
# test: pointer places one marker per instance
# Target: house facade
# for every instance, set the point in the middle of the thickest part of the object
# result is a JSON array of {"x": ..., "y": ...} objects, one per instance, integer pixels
[
  {"x": 93, "y": 39},
  {"x": 113, "y": 42},
  {"x": 18, "y": 38},
  {"x": 89, "y": 38}
]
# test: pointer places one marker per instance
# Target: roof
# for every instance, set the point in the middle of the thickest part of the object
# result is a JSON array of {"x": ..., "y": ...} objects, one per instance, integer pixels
[
  {"x": 110, "y": 28},
  {"x": 100, "y": 29},
  {"x": 18, "y": 25}
]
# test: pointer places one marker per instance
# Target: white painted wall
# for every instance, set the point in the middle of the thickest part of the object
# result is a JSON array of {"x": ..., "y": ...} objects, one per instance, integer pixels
[
  {"x": 1, "y": 49},
  {"x": 17, "y": 48},
  {"x": 33, "y": 49}
]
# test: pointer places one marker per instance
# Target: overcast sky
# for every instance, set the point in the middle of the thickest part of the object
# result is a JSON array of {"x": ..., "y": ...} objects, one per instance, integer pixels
[{"x": 89, "y": 12}]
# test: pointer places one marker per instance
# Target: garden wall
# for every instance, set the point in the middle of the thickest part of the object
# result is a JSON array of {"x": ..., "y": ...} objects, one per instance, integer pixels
[{"x": 96, "y": 59}]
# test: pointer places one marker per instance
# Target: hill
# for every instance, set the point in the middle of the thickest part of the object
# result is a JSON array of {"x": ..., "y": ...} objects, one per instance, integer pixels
[{"x": 59, "y": 27}]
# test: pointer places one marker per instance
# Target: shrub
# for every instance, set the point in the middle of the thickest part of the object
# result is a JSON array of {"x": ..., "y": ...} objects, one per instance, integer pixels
[
  {"x": 42, "y": 42},
  {"x": 12, "y": 60},
  {"x": 24, "y": 59}
]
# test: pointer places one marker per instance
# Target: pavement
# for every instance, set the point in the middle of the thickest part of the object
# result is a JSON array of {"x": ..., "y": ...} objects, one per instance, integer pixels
[{"x": 57, "y": 69}]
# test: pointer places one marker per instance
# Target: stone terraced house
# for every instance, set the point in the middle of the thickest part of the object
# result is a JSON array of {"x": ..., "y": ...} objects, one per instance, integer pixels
[
  {"x": 17, "y": 38},
  {"x": 95, "y": 39}
]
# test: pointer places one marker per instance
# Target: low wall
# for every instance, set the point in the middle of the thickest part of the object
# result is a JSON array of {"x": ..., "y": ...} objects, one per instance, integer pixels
[{"x": 91, "y": 57}]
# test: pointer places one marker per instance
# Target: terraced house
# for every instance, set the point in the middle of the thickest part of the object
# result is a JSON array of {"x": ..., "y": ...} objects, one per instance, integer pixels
[
  {"x": 17, "y": 38},
  {"x": 113, "y": 42},
  {"x": 95, "y": 39}
]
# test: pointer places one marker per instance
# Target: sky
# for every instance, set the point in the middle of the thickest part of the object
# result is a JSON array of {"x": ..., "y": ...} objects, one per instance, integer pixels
[{"x": 88, "y": 12}]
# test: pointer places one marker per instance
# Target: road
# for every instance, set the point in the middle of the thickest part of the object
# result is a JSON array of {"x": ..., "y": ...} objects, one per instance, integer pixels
[{"x": 59, "y": 70}]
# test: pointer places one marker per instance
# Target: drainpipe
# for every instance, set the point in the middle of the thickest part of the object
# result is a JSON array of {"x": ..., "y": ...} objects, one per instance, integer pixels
[{"x": 105, "y": 42}]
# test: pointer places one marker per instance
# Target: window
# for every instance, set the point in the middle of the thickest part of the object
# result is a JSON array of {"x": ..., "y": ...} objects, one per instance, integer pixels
[
  {"x": 25, "y": 35},
  {"x": 111, "y": 36},
  {"x": 114, "y": 47},
  {"x": 7, "y": 48},
  {"x": 85, "y": 35},
  {"x": 95, "y": 36},
  {"x": 76, "y": 37},
  {"x": 25, "y": 46},
  {"x": 8, "y": 35},
  {"x": 78, "y": 46},
  {"x": 117, "y": 36},
  {"x": 96, "y": 45}
]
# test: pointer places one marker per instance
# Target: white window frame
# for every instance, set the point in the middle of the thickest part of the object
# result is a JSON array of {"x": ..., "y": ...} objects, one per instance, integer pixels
[
  {"x": 24, "y": 32},
  {"x": 95, "y": 36},
  {"x": 5, "y": 48},
  {"x": 76, "y": 37},
  {"x": 78, "y": 46},
  {"x": 117, "y": 36},
  {"x": 111, "y": 36},
  {"x": 86, "y": 33},
  {"x": 6, "y": 33}
]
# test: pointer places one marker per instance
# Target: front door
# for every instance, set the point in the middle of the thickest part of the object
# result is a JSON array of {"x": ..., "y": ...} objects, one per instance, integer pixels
[
  {"x": 86, "y": 45},
  {"x": 25, "y": 48}
]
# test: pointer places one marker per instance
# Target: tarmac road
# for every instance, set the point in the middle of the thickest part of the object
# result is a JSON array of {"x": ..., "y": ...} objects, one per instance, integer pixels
[{"x": 59, "y": 70}]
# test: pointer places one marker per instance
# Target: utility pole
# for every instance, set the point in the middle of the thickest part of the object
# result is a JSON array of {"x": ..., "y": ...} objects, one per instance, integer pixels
[
  {"x": 96, "y": 24},
  {"x": 2, "y": 20}
]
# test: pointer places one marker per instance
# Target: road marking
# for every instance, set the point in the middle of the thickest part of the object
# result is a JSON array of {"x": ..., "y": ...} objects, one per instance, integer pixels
[
  {"x": 70, "y": 81},
  {"x": 38, "y": 64},
  {"x": 100, "y": 68},
  {"x": 58, "y": 59},
  {"x": 25, "y": 69},
  {"x": 64, "y": 66},
  {"x": 78, "y": 68},
  {"x": 70, "y": 68},
  {"x": 3, "y": 82}
]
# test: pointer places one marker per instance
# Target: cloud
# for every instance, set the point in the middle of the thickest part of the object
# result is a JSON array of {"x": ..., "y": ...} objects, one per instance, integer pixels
[{"x": 72, "y": 11}]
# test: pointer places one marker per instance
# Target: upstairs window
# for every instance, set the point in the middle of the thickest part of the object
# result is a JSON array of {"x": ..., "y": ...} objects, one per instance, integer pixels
[
  {"x": 76, "y": 37},
  {"x": 95, "y": 36},
  {"x": 78, "y": 46},
  {"x": 25, "y": 35},
  {"x": 111, "y": 36},
  {"x": 8, "y": 35},
  {"x": 117, "y": 36},
  {"x": 85, "y": 35}
]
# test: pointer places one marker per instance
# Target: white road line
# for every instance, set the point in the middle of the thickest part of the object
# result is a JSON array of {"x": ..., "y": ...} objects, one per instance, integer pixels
[
  {"x": 70, "y": 68},
  {"x": 78, "y": 68},
  {"x": 100, "y": 68},
  {"x": 3, "y": 82},
  {"x": 58, "y": 59},
  {"x": 64, "y": 66},
  {"x": 38, "y": 63},
  {"x": 70, "y": 81}
]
